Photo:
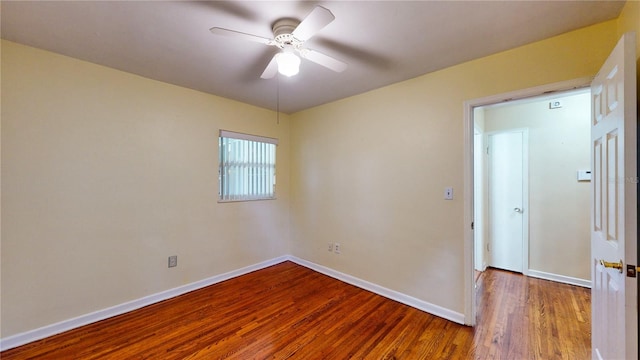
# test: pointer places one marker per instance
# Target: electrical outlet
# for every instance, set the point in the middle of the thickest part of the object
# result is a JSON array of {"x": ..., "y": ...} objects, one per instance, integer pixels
[
  {"x": 330, "y": 246},
  {"x": 336, "y": 248},
  {"x": 173, "y": 261}
]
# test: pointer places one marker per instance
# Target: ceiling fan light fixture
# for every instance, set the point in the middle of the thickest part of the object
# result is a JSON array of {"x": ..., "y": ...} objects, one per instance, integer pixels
[{"x": 288, "y": 63}]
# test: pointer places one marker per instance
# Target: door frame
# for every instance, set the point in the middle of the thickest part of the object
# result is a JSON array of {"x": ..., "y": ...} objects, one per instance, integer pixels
[
  {"x": 468, "y": 128},
  {"x": 480, "y": 258},
  {"x": 525, "y": 193}
]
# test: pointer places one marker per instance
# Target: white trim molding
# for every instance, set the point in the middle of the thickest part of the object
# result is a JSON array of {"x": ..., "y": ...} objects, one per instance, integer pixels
[
  {"x": 559, "y": 278},
  {"x": 382, "y": 291},
  {"x": 69, "y": 324}
]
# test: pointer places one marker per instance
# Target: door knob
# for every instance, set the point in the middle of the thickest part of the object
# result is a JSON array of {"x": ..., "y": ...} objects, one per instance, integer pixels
[
  {"x": 518, "y": 210},
  {"x": 612, "y": 265}
]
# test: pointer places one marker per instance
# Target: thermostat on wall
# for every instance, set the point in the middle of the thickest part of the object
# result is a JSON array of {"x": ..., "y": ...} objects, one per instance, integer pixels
[{"x": 584, "y": 175}]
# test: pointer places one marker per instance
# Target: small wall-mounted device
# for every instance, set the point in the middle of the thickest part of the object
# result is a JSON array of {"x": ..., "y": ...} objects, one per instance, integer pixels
[
  {"x": 584, "y": 175},
  {"x": 555, "y": 104},
  {"x": 448, "y": 193},
  {"x": 173, "y": 261}
]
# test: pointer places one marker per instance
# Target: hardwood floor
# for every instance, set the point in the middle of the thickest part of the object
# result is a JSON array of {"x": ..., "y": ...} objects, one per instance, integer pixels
[
  {"x": 526, "y": 318},
  {"x": 290, "y": 312}
]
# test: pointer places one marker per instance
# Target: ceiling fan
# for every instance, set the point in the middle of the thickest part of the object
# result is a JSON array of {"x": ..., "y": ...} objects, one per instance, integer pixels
[{"x": 289, "y": 36}]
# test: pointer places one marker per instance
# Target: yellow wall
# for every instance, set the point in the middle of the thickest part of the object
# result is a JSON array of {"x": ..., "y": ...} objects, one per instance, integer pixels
[
  {"x": 370, "y": 171},
  {"x": 629, "y": 20},
  {"x": 105, "y": 174}
]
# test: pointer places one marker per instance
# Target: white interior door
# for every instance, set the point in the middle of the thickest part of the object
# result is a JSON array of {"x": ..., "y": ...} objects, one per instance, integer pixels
[
  {"x": 506, "y": 165},
  {"x": 614, "y": 225}
]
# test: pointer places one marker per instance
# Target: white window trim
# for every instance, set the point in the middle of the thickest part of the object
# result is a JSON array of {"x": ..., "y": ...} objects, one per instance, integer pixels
[{"x": 242, "y": 136}]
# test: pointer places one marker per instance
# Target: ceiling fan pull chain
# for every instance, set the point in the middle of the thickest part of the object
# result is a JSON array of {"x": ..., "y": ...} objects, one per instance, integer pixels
[{"x": 277, "y": 100}]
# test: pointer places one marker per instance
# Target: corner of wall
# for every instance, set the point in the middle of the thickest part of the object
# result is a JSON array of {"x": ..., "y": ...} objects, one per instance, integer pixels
[{"x": 629, "y": 20}]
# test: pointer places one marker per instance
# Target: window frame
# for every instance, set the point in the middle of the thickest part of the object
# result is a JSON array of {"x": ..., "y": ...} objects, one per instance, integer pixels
[{"x": 269, "y": 167}]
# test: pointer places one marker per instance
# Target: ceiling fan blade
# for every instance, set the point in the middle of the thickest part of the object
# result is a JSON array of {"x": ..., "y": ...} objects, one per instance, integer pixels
[
  {"x": 318, "y": 18},
  {"x": 324, "y": 60},
  {"x": 271, "y": 70},
  {"x": 239, "y": 35}
]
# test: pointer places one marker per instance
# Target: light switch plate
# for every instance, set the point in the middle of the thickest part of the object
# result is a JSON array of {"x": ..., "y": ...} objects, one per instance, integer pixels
[
  {"x": 173, "y": 261},
  {"x": 448, "y": 193}
]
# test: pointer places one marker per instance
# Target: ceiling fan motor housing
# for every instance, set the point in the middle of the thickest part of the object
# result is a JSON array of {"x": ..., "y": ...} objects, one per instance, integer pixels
[{"x": 282, "y": 30}]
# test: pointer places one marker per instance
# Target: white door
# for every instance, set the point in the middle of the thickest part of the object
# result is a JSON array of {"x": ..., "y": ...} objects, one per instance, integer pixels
[
  {"x": 614, "y": 224},
  {"x": 506, "y": 200}
]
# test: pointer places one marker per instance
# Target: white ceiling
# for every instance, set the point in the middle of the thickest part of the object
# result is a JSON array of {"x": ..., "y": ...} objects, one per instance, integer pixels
[{"x": 382, "y": 41}]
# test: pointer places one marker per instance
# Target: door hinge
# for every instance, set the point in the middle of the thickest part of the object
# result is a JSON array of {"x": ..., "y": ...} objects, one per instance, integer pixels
[{"x": 472, "y": 225}]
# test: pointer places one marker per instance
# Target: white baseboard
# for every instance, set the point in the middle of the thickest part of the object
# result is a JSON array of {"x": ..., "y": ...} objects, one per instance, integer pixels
[
  {"x": 559, "y": 278},
  {"x": 382, "y": 291},
  {"x": 66, "y": 325}
]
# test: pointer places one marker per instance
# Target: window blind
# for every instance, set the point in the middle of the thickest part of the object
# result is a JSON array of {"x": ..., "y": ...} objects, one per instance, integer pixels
[{"x": 247, "y": 167}]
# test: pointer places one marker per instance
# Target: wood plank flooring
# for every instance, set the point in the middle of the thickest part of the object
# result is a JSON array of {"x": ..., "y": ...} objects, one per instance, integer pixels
[
  {"x": 526, "y": 318},
  {"x": 290, "y": 312}
]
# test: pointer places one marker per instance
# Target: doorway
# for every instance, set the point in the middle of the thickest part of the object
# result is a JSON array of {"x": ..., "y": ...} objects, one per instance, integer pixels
[
  {"x": 478, "y": 253},
  {"x": 538, "y": 225}
]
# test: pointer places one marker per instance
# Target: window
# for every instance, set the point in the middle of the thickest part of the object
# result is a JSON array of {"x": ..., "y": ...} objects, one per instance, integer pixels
[{"x": 247, "y": 169}]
